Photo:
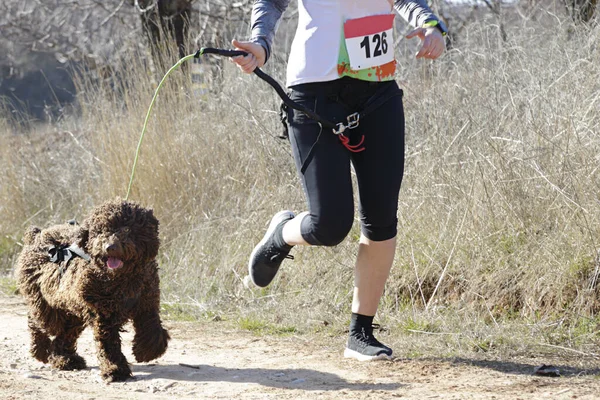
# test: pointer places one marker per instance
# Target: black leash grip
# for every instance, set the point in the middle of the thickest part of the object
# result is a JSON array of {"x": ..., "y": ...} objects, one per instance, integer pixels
[{"x": 220, "y": 52}]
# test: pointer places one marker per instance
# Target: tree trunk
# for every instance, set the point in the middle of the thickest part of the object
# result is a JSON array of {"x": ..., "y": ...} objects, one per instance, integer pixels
[
  {"x": 583, "y": 10},
  {"x": 164, "y": 20}
]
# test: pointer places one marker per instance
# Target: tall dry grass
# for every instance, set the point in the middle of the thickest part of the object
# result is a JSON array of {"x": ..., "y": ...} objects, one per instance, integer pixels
[
  {"x": 503, "y": 160},
  {"x": 498, "y": 214}
]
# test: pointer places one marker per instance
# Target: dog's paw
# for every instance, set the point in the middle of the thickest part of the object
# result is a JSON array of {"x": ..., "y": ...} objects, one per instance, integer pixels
[
  {"x": 67, "y": 363},
  {"x": 150, "y": 346},
  {"x": 40, "y": 349},
  {"x": 116, "y": 373}
]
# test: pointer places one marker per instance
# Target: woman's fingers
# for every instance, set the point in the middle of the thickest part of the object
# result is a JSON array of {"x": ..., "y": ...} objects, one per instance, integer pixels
[
  {"x": 432, "y": 42},
  {"x": 254, "y": 59}
]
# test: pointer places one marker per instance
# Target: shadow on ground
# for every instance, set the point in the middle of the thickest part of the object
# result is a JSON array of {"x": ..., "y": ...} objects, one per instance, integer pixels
[
  {"x": 290, "y": 378},
  {"x": 526, "y": 368}
]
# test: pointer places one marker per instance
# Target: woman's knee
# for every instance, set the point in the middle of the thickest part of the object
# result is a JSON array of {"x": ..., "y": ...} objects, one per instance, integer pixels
[
  {"x": 326, "y": 232},
  {"x": 379, "y": 233}
]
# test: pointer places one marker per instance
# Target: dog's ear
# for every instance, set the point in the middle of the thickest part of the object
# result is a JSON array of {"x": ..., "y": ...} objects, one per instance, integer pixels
[
  {"x": 152, "y": 219},
  {"x": 30, "y": 234},
  {"x": 153, "y": 242},
  {"x": 82, "y": 236}
]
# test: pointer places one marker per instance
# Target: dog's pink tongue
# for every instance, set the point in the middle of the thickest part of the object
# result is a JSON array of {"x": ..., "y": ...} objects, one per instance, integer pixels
[{"x": 113, "y": 263}]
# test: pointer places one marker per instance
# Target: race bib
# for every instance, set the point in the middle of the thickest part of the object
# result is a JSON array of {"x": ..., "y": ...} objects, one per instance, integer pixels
[{"x": 370, "y": 41}]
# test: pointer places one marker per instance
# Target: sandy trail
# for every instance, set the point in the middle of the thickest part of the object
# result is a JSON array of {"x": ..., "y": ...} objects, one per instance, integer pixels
[{"x": 209, "y": 361}]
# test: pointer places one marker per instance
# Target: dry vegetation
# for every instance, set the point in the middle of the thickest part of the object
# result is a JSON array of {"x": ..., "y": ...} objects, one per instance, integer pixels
[{"x": 499, "y": 213}]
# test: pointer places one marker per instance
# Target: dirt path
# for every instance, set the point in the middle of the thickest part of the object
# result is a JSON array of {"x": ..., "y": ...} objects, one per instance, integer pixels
[{"x": 211, "y": 362}]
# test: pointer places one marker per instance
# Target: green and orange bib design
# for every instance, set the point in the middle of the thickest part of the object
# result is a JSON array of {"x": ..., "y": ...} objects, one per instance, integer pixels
[{"x": 367, "y": 48}]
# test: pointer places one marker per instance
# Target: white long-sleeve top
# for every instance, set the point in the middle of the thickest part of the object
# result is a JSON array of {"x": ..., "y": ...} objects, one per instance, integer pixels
[{"x": 336, "y": 38}]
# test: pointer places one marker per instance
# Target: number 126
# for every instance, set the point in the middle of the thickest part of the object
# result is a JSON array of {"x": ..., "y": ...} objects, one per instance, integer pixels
[{"x": 380, "y": 42}]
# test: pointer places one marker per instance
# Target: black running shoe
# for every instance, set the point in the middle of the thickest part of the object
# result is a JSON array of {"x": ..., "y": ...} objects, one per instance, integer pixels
[
  {"x": 266, "y": 256},
  {"x": 363, "y": 346}
]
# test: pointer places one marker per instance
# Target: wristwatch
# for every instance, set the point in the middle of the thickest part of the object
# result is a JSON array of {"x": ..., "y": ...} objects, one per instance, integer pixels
[{"x": 434, "y": 23}]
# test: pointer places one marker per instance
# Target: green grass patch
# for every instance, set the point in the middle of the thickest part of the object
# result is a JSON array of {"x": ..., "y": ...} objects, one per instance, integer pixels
[
  {"x": 576, "y": 332},
  {"x": 414, "y": 354},
  {"x": 411, "y": 325},
  {"x": 179, "y": 312},
  {"x": 263, "y": 328},
  {"x": 7, "y": 245},
  {"x": 8, "y": 286},
  {"x": 8, "y": 253},
  {"x": 487, "y": 344}
]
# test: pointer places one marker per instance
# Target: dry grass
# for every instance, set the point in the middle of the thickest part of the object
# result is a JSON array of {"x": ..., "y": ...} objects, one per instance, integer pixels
[{"x": 499, "y": 212}]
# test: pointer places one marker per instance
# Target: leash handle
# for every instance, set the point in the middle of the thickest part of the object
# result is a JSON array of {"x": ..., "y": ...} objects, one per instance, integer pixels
[
  {"x": 267, "y": 78},
  {"x": 220, "y": 52}
]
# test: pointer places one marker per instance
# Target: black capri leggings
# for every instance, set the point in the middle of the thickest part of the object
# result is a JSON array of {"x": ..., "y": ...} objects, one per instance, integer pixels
[{"x": 327, "y": 178}]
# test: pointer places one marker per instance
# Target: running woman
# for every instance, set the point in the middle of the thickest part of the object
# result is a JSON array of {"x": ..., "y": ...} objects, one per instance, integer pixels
[{"x": 341, "y": 65}]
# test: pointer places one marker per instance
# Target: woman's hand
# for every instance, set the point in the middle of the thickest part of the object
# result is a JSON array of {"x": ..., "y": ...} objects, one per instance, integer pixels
[
  {"x": 255, "y": 58},
  {"x": 432, "y": 42}
]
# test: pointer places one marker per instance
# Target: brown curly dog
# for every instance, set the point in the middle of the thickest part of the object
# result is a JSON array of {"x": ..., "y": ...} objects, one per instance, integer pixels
[{"x": 101, "y": 274}]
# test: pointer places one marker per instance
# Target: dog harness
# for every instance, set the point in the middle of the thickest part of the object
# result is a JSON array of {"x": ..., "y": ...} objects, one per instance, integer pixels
[{"x": 63, "y": 254}]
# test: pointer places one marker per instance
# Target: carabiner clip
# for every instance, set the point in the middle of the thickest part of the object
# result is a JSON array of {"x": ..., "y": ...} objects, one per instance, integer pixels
[{"x": 353, "y": 121}]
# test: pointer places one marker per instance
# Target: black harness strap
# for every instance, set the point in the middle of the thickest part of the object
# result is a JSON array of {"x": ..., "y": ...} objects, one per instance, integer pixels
[
  {"x": 79, "y": 252},
  {"x": 63, "y": 254}
]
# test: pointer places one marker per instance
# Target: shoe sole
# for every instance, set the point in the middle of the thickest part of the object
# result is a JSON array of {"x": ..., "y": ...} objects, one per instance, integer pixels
[
  {"x": 276, "y": 220},
  {"x": 349, "y": 353}
]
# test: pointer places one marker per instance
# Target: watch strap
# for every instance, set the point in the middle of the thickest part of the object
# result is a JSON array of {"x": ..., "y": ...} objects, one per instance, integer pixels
[{"x": 434, "y": 23}]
